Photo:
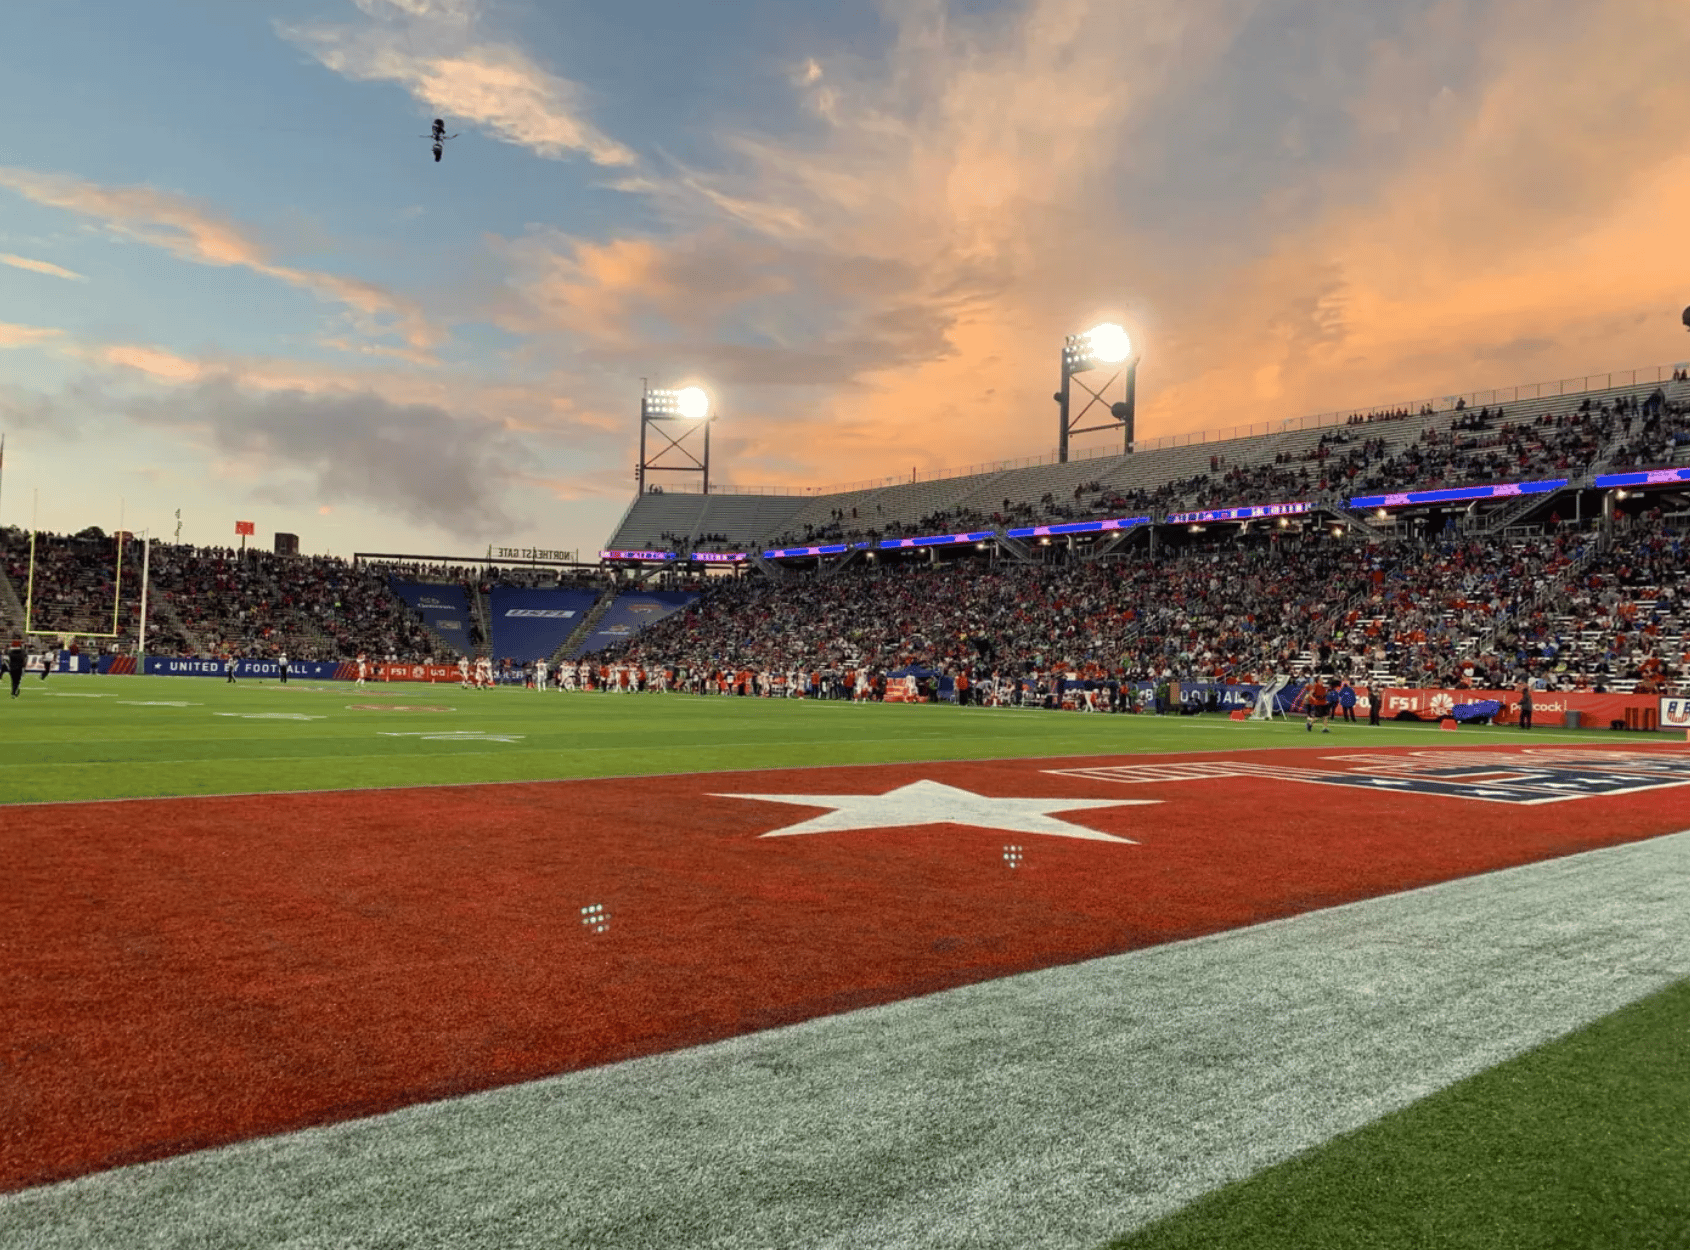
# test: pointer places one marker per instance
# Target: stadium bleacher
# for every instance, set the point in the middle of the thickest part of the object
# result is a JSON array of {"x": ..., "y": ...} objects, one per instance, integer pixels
[
  {"x": 630, "y": 614},
  {"x": 1173, "y": 478},
  {"x": 443, "y": 607},
  {"x": 531, "y": 624},
  {"x": 1567, "y": 597}
]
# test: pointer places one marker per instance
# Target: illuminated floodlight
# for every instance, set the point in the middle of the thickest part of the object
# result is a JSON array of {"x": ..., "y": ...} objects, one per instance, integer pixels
[
  {"x": 692, "y": 403},
  {"x": 1109, "y": 343}
]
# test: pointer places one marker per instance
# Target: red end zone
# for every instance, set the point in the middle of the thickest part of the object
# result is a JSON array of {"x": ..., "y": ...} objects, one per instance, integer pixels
[{"x": 183, "y": 973}]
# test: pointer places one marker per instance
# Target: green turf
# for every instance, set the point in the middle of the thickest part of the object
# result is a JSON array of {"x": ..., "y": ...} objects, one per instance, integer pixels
[
  {"x": 62, "y": 744},
  {"x": 1583, "y": 1142}
]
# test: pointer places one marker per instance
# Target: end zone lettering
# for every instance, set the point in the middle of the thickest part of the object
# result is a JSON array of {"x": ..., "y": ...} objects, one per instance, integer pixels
[{"x": 1528, "y": 778}]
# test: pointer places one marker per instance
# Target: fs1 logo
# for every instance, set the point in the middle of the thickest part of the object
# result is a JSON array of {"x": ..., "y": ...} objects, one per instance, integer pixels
[{"x": 1521, "y": 777}]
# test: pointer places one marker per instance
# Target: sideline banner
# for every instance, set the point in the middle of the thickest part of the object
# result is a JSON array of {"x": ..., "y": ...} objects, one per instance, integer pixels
[
  {"x": 1549, "y": 707},
  {"x": 1675, "y": 713},
  {"x": 62, "y": 662},
  {"x": 298, "y": 670},
  {"x": 416, "y": 672}
]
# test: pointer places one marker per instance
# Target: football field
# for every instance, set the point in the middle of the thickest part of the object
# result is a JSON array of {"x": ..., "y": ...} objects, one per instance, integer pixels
[{"x": 416, "y": 965}]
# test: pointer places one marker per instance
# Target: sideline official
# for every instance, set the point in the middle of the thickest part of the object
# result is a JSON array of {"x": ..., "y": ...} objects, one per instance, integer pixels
[{"x": 14, "y": 665}]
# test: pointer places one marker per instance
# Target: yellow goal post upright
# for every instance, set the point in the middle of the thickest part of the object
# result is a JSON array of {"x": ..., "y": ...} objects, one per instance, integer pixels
[{"x": 116, "y": 606}]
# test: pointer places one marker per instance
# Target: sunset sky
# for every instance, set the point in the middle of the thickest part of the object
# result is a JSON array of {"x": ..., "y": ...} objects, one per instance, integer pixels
[{"x": 233, "y": 282}]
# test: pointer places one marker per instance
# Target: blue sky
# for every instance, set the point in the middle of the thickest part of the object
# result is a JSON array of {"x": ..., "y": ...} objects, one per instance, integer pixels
[{"x": 233, "y": 282}]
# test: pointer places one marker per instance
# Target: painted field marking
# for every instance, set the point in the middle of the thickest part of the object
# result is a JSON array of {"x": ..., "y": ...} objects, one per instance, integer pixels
[
  {"x": 157, "y": 703},
  {"x": 456, "y": 735},
  {"x": 72, "y": 694},
  {"x": 596, "y": 918},
  {"x": 270, "y": 715},
  {"x": 1012, "y": 855},
  {"x": 398, "y": 707}
]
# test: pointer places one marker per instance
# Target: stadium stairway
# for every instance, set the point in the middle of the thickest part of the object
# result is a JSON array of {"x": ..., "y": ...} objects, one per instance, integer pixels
[
  {"x": 572, "y": 645},
  {"x": 478, "y": 612},
  {"x": 628, "y": 615},
  {"x": 160, "y": 604},
  {"x": 11, "y": 609}
]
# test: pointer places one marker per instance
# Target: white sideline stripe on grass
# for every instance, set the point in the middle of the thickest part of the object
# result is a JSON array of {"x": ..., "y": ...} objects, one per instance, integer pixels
[{"x": 1057, "y": 1108}]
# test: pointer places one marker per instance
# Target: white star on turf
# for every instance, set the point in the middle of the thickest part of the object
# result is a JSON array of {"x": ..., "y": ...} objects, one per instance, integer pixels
[{"x": 933, "y": 803}]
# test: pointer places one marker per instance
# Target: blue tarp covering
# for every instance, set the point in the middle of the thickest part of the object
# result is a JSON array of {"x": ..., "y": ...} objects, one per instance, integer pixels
[
  {"x": 1476, "y": 711},
  {"x": 532, "y": 624},
  {"x": 633, "y": 611},
  {"x": 444, "y": 609}
]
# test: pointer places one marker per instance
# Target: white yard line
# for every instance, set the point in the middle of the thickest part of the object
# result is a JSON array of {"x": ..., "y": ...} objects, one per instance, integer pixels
[{"x": 1054, "y": 1109}]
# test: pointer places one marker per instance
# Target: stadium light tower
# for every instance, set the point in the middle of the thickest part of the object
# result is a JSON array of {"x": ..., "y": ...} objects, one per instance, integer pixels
[
  {"x": 687, "y": 413},
  {"x": 1102, "y": 346}
]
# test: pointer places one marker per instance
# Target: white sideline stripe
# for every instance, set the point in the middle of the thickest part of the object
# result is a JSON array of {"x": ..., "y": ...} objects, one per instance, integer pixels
[{"x": 1057, "y": 1108}]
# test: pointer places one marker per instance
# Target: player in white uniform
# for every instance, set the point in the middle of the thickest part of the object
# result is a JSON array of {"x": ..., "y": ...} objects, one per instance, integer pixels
[
  {"x": 363, "y": 668},
  {"x": 540, "y": 674},
  {"x": 463, "y": 671}
]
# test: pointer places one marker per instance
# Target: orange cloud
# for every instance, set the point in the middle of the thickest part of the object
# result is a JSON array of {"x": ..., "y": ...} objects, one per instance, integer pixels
[
  {"x": 40, "y": 266},
  {"x": 1522, "y": 223},
  {"x": 26, "y": 336},
  {"x": 154, "y": 362},
  {"x": 192, "y": 232}
]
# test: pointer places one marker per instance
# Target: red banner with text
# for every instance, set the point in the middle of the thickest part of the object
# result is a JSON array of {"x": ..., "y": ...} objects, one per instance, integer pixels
[{"x": 1549, "y": 707}]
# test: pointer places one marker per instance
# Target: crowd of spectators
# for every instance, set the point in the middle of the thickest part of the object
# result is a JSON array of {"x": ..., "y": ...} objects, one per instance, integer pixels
[
  {"x": 215, "y": 600},
  {"x": 1447, "y": 613},
  {"x": 74, "y": 582},
  {"x": 1478, "y": 445}
]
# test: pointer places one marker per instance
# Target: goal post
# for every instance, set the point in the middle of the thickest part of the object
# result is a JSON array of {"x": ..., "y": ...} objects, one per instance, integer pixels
[{"x": 50, "y": 628}]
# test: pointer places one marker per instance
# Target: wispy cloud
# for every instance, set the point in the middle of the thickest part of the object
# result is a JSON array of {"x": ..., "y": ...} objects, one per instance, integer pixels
[
  {"x": 437, "y": 52},
  {"x": 193, "y": 231},
  {"x": 41, "y": 266},
  {"x": 27, "y": 336}
]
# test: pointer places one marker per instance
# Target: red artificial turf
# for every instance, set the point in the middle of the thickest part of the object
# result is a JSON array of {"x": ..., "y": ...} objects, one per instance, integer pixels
[{"x": 182, "y": 973}]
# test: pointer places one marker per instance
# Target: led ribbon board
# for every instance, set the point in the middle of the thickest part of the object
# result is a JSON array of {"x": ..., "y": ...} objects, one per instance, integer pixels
[
  {"x": 799, "y": 553},
  {"x": 717, "y": 557},
  {"x": 1254, "y": 512},
  {"x": 937, "y": 540},
  {"x": 1650, "y": 477},
  {"x": 643, "y": 557},
  {"x": 1501, "y": 490},
  {"x": 1079, "y": 527}
]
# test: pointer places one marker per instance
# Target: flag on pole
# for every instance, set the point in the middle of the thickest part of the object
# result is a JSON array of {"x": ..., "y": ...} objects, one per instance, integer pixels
[{"x": 244, "y": 528}]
